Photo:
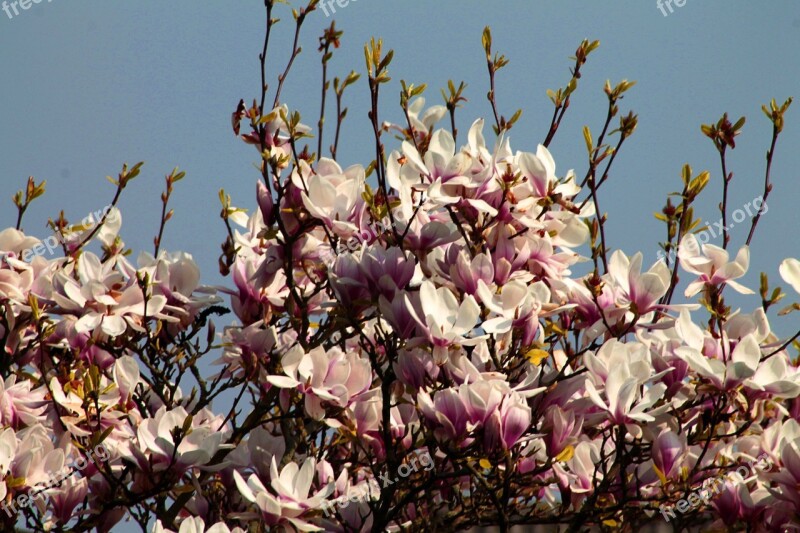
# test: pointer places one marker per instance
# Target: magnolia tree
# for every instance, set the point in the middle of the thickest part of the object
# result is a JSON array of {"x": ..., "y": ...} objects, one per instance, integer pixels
[{"x": 443, "y": 338}]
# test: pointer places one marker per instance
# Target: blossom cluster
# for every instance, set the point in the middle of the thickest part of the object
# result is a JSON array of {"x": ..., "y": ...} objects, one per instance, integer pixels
[
  {"x": 496, "y": 349},
  {"x": 39, "y": 490}
]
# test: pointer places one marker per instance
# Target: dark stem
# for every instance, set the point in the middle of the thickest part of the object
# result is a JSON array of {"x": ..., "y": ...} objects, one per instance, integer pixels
[{"x": 767, "y": 185}]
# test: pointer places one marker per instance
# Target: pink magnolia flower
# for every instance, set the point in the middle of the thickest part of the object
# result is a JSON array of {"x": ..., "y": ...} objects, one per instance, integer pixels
[
  {"x": 580, "y": 473},
  {"x": 506, "y": 425},
  {"x": 787, "y": 478},
  {"x": 735, "y": 503},
  {"x": 289, "y": 499},
  {"x": 440, "y": 165},
  {"x": 172, "y": 439},
  {"x": 424, "y": 121},
  {"x": 66, "y": 497},
  {"x": 562, "y": 429},
  {"x": 446, "y": 322},
  {"x": 36, "y": 460},
  {"x": 741, "y": 365},
  {"x": 634, "y": 289},
  {"x": 333, "y": 194},
  {"x": 446, "y": 411},
  {"x": 626, "y": 375},
  {"x": 258, "y": 450},
  {"x": 466, "y": 272},
  {"x": 324, "y": 376},
  {"x": 82, "y": 418},
  {"x": 482, "y": 398},
  {"x": 276, "y": 136},
  {"x": 517, "y": 305},
  {"x": 265, "y": 203},
  {"x": 104, "y": 300},
  {"x": 539, "y": 175},
  {"x": 176, "y": 277},
  {"x": 20, "y": 403},
  {"x": 710, "y": 264},
  {"x": 668, "y": 452},
  {"x": 259, "y": 283},
  {"x": 415, "y": 367},
  {"x": 14, "y": 242},
  {"x": 387, "y": 270}
]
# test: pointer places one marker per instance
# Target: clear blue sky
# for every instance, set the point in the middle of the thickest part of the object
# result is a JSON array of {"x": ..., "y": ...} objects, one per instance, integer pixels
[{"x": 90, "y": 85}]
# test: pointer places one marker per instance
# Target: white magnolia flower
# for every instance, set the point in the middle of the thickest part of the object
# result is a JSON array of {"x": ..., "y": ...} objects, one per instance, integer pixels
[
  {"x": 321, "y": 376},
  {"x": 333, "y": 194},
  {"x": 197, "y": 525},
  {"x": 741, "y": 365},
  {"x": 168, "y": 440},
  {"x": 790, "y": 272},
  {"x": 103, "y": 299},
  {"x": 446, "y": 321},
  {"x": 710, "y": 264},
  {"x": 623, "y": 370},
  {"x": 634, "y": 289},
  {"x": 289, "y": 500},
  {"x": 515, "y": 301},
  {"x": 424, "y": 121}
]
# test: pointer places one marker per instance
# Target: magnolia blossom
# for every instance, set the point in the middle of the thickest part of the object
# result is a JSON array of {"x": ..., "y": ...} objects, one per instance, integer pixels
[
  {"x": 639, "y": 291},
  {"x": 517, "y": 306},
  {"x": 446, "y": 322},
  {"x": 332, "y": 194},
  {"x": 741, "y": 363},
  {"x": 333, "y": 377},
  {"x": 669, "y": 450},
  {"x": 509, "y": 423},
  {"x": 289, "y": 500},
  {"x": 96, "y": 298},
  {"x": 790, "y": 272},
  {"x": 710, "y": 264},
  {"x": 20, "y": 404},
  {"x": 197, "y": 525},
  {"x": 176, "y": 277},
  {"x": 623, "y": 370},
  {"x": 276, "y": 134},
  {"x": 423, "y": 121},
  {"x": 563, "y": 430},
  {"x": 174, "y": 439}
]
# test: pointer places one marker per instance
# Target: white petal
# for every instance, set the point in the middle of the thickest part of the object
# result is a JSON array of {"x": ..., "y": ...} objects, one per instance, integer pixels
[{"x": 790, "y": 272}]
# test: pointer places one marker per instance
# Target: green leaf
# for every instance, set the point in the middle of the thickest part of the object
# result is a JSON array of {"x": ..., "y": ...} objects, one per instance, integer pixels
[{"x": 587, "y": 137}]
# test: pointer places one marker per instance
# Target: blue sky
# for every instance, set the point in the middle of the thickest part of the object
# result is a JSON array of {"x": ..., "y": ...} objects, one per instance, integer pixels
[{"x": 90, "y": 85}]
